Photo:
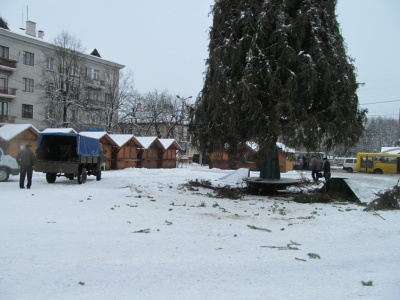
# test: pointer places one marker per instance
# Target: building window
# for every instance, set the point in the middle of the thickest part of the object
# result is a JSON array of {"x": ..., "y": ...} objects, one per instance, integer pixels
[
  {"x": 3, "y": 108},
  {"x": 27, "y": 111},
  {"x": 89, "y": 72},
  {"x": 109, "y": 77},
  {"x": 88, "y": 117},
  {"x": 28, "y": 85},
  {"x": 49, "y": 113},
  {"x": 29, "y": 58},
  {"x": 92, "y": 96},
  {"x": 74, "y": 70},
  {"x": 93, "y": 73},
  {"x": 73, "y": 116},
  {"x": 50, "y": 63},
  {"x": 4, "y": 52},
  {"x": 108, "y": 97},
  {"x": 96, "y": 74},
  {"x": 95, "y": 96},
  {"x": 4, "y": 85}
]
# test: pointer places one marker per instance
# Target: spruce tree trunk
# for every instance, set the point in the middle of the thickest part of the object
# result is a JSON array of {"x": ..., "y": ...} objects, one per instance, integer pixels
[{"x": 270, "y": 167}]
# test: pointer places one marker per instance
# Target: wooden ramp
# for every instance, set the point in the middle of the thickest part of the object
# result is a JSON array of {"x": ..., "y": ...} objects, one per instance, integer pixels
[{"x": 363, "y": 193}]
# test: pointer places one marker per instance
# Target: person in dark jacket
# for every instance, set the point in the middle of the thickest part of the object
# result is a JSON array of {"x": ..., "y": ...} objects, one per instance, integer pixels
[
  {"x": 316, "y": 167},
  {"x": 304, "y": 162},
  {"x": 26, "y": 160},
  {"x": 326, "y": 167}
]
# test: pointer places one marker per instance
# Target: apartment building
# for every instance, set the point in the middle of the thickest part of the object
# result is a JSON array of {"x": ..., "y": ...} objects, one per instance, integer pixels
[{"x": 25, "y": 56}]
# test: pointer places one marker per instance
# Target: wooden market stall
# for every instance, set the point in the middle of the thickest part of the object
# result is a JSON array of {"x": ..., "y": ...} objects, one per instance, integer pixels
[
  {"x": 220, "y": 159},
  {"x": 110, "y": 147},
  {"x": 14, "y": 138},
  {"x": 127, "y": 150},
  {"x": 149, "y": 153},
  {"x": 170, "y": 147}
]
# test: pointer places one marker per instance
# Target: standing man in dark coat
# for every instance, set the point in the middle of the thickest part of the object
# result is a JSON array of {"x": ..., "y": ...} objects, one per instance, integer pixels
[
  {"x": 316, "y": 167},
  {"x": 326, "y": 167},
  {"x": 26, "y": 160}
]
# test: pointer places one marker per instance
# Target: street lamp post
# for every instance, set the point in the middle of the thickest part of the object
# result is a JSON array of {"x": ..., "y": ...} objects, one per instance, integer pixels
[
  {"x": 134, "y": 125},
  {"x": 182, "y": 114}
]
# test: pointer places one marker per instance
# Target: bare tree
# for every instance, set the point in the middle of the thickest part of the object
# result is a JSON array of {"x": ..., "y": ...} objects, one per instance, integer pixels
[
  {"x": 155, "y": 113},
  {"x": 61, "y": 79},
  {"x": 119, "y": 91},
  {"x": 380, "y": 132}
]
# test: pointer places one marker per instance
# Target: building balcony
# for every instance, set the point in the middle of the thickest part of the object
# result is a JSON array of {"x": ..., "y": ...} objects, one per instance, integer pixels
[
  {"x": 94, "y": 83},
  {"x": 8, "y": 64},
  {"x": 9, "y": 93},
  {"x": 7, "y": 119}
]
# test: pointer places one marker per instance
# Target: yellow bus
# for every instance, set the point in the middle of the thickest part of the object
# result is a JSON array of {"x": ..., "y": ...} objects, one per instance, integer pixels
[{"x": 378, "y": 163}]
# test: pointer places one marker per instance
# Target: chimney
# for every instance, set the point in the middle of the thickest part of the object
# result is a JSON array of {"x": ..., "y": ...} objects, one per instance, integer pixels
[
  {"x": 30, "y": 28},
  {"x": 41, "y": 34}
]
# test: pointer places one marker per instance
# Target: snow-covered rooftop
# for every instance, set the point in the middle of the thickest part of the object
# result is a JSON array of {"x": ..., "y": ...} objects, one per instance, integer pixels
[
  {"x": 146, "y": 141},
  {"x": 9, "y": 131},
  {"x": 62, "y": 130},
  {"x": 280, "y": 145},
  {"x": 94, "y": 134},
  {"x": 168, "y": 142},
  {"x": 121, "y": 139}
]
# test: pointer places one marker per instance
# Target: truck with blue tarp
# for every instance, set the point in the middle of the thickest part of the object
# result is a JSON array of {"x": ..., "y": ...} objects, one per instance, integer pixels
[{"x": 68, "y": 154}]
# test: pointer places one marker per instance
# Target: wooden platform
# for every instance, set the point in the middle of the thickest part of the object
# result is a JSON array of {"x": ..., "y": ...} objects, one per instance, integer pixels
[{"x": 362, "y": 193}]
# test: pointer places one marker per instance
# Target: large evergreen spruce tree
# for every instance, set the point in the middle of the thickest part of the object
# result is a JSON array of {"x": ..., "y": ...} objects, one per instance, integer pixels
[{"x": 277, "y": 70}]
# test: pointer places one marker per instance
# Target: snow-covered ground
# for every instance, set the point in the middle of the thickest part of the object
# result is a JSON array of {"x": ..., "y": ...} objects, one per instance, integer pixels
[{"x": 142, "y": 234}]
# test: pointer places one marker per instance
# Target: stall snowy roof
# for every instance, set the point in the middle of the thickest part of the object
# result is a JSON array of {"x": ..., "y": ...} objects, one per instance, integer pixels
[
  {"x": 255, "y": 148},
  {"x": 9, "y": 131},
  {"x": 167, "y": 143},
  {"x": 94, "y": 134},
  {"x": 62, "y": 130},
  {"x": 146, "y": 141},
  {"x": 284, "y": 148},
  {"x": 99, "y": 135},
  {"x": 122, "y": 139}
]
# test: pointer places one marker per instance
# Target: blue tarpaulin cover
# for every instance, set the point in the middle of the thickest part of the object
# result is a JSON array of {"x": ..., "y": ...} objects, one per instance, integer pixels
[{"x": 84, "y": 145}]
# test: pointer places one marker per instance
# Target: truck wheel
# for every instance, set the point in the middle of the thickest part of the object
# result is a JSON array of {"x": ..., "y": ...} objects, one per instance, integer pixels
[
  {"x": 82, "y": 176},
  {"x": 4, "y": 174},
  {"x": 98, "y": 175},
  {"x": 51, "y": 177},
  {"x": 350, "y": 170}
]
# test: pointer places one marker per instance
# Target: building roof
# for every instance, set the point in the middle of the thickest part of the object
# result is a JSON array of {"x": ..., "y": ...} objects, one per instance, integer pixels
[
  {"x": 9, "y": 131},
  {"x": 21, "y": 34}
]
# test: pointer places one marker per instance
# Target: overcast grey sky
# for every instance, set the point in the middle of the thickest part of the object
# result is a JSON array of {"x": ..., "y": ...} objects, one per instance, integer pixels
[{"x": 164, "y": 43}]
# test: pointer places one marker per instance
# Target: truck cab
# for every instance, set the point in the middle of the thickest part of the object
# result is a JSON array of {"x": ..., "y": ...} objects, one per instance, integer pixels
[{"x": 8, "y": 166}]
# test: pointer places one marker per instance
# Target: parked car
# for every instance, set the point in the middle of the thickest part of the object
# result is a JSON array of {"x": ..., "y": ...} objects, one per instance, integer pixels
[
  {"x": 349, "y": 164},
  {"x": 8, "y": 165}
]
